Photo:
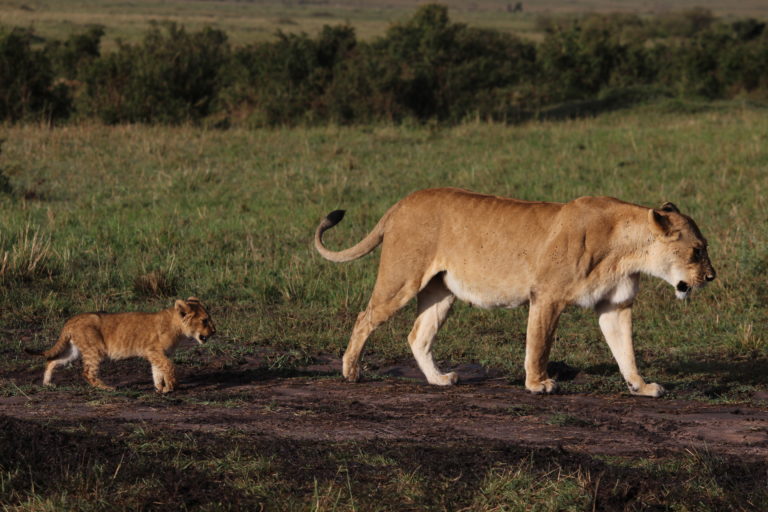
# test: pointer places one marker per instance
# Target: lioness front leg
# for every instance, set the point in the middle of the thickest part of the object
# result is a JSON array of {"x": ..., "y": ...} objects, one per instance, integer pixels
[
  {"x": 616, "y": 324},
  {"x": 542, "y": 321},
  {"x": 163, "y": 372}
]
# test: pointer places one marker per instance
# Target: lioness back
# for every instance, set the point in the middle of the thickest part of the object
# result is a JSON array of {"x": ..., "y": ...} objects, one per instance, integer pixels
[{"x": 154, "y": 336}]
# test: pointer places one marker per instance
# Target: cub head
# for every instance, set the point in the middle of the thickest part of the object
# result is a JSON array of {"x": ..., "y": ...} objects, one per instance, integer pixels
[
  {"x": 679, "y": 251},
  {"x": 195, "y": 321}
]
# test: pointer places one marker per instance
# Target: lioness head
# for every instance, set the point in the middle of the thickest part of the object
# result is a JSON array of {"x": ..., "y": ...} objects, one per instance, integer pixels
[
  {"x": 679, "y": 251},
  {"x": 195, "y": 320}
]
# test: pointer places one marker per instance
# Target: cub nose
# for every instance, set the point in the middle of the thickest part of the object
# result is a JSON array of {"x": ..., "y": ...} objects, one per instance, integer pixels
[{"x": 711, "y": 275}]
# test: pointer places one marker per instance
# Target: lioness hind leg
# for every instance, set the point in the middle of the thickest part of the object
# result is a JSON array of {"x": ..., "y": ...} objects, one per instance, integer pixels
[
  {"x": 435, "y": 301},
  {"x": 385, "y": 301}
]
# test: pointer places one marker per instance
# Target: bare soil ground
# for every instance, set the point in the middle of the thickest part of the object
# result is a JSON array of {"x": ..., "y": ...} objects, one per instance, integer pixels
[{"x": 312, "y": 403}]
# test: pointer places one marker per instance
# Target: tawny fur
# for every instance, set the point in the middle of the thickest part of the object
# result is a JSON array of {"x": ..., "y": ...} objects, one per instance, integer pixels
[
  {"x": 154, "y": 336},
  {"x": 439, "y": 244}
]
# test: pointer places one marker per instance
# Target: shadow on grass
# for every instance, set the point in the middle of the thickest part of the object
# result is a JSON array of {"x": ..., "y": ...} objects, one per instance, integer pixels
[
  {"x": 120, "y": 466},
  {"x": 75, "y": 466},
  {"x": 234, "y": 377},
  {"x": 752, "y": 372}
]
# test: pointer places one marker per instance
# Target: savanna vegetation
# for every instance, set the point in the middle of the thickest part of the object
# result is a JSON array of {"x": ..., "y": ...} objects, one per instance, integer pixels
[
  {"x": 424, "y": 68},
  {"x": 183, "y": 164},
  {"x": 129, "y": 217}
]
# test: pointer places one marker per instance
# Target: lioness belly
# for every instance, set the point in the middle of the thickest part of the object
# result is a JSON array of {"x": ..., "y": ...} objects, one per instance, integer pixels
[{"x": 484, "y": 292}]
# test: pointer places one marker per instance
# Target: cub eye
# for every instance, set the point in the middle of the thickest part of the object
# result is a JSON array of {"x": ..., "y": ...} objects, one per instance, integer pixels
[
  {"x": 205, "y": 322},
  {"x": 698, "y": 253}
]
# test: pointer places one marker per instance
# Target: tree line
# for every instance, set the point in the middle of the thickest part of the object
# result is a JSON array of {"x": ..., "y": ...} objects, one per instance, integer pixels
[{"x": 425, "y": 68}]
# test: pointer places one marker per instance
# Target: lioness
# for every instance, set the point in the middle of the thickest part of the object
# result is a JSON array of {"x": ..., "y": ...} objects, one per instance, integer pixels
[
  {"x": 439, "y": 244},
  {"x": 153, "y": 336}
]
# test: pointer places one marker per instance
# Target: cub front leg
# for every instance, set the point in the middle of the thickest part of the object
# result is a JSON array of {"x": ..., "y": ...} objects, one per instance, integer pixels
[
  {"x": 616, "y": 324},
  {"x": 542, "y": 321},
  {"x": 163, "y": 372}
]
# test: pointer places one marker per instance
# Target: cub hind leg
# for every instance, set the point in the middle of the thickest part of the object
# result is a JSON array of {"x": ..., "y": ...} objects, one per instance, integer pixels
[
  {"x": 65, "y": 357},
  {"x": 434, "y": 304}
]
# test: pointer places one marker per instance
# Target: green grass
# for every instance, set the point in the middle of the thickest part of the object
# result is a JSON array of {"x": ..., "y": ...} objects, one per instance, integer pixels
[
  {"x": 150, "y": 468},
  {"x": 229, "y": 216},
  {"x": 92, "y": 211}
]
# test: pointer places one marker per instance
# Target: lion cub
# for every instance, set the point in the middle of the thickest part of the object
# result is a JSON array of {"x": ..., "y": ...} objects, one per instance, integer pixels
[{"x": 153, "y": 336}]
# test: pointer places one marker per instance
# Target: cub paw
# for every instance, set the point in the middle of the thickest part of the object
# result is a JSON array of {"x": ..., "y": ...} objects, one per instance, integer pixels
[
  {"x": 546, "y": 387},
  {"x": 653, "y": 390}
]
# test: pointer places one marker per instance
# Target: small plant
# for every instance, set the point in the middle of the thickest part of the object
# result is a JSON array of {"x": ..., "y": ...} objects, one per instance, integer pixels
[
  {"x": 26, "y": 258},
  {"x": 157, "y": 283}
]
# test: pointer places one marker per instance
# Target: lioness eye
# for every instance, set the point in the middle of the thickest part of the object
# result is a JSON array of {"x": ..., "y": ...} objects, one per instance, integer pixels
[{"x": 697, "y": 254}]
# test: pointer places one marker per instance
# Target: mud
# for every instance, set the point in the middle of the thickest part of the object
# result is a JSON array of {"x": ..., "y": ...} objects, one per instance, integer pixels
[{"x": 309, "y": 402}]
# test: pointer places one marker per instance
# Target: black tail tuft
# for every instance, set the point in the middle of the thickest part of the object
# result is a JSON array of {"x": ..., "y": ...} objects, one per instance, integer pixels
[
  {"x": 335, "y": 216},
  {"x": 34, "y": 352}
]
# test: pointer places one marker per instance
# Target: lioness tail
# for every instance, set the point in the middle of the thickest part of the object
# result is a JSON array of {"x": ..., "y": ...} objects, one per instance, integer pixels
[{"x": 366, "y": 245}]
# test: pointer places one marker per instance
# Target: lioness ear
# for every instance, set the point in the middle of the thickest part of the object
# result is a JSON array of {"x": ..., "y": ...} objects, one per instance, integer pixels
[
  {"x": 182, "y": 308},
  {"x": 669, "y": 207},
  {"x": 193, "y": 299},
  {"x": 660, "y": 224}
]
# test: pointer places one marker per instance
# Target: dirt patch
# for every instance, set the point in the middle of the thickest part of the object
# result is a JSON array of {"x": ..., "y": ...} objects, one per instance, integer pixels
[{"x": 310, "y": 402}]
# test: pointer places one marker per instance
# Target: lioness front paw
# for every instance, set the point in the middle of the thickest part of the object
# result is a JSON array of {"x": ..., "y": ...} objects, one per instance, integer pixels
[
  {"x": 653, "y": 390},
  {"x": 351, "y": 372},
  {"x": 546, "y": 386},
  {"x": 446, "y": 379}
]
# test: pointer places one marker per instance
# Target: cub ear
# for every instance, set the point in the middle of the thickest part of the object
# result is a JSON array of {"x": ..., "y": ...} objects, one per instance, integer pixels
[
  {"x": 659, "y": 222},
  {"x": 182, "y": 308},
  {"x": 669, "y": 207},
  {"x": 193, "y": 300}
]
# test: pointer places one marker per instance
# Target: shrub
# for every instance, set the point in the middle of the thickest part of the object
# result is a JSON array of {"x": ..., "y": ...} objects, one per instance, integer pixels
[
  {"x": 286, "y": 81},
  {"x": 172, "y": 77},
  {"x": 26, "y": 81},
  {"x": 68, "y": 58}
]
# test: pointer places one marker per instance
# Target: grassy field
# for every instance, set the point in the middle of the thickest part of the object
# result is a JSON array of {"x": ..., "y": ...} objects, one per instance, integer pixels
[
  {"x": 123, "y": 218},
  {"x": 130, "y": 217},
  {"x": 247, "y": 22}
]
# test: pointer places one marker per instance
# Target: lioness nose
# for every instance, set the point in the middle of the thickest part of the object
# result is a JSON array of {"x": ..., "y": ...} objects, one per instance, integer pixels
[{"x": 711, "y": 275}]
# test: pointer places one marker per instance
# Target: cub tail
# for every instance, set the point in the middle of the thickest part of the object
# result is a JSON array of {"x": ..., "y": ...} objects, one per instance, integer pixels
[{"x": 60, "y": 346}]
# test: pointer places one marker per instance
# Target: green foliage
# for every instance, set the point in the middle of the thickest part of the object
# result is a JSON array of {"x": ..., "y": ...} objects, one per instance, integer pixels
[
  {"x": 424, "y": 68},
  {"x": 27, "y": 89},
  {"x": 69, "y": 58},
  {"x": 287, "y": 80},
  {"x": 172, "y": 77}
]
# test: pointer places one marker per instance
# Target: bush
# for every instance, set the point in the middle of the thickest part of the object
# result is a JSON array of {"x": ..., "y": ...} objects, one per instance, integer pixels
[
  {"x": 69, "y": 58},
  {"x": 172, "y": 77},
  {"x": 286, "y": 81},
  {"x": 27, "y": 89},
  {"x": 425, "y": 68}
]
